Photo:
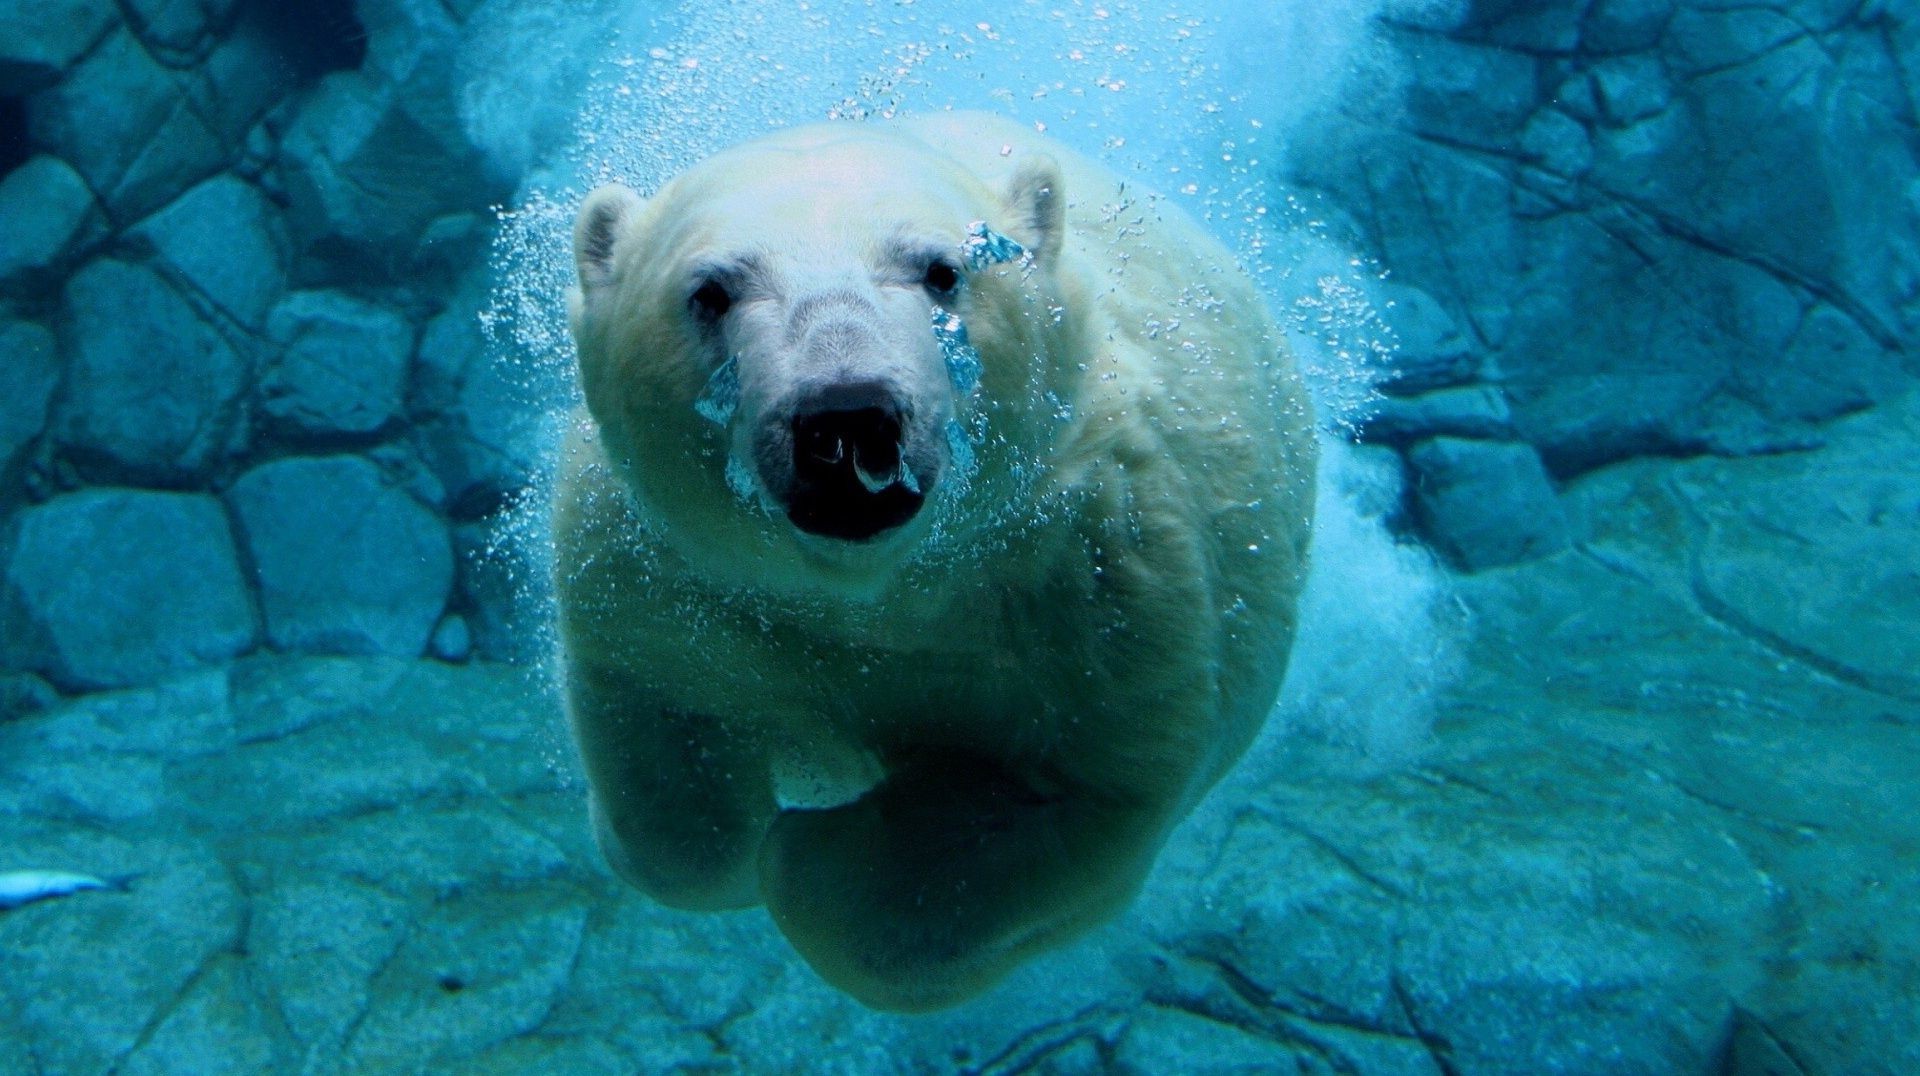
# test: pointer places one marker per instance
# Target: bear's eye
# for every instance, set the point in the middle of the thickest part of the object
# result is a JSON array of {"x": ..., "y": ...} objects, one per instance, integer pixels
[
  {"x": 711, "y": 301},
  {"x": 942, "y": 278}
]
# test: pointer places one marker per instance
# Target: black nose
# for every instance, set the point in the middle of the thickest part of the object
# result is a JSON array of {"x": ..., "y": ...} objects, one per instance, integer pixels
[{"x": 850, "y": 479}]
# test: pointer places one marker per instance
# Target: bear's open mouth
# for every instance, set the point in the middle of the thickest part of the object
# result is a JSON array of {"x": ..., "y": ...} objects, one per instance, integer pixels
[
  {"x": 853, "y": 515},
  {"x": 850, "y": 479}
]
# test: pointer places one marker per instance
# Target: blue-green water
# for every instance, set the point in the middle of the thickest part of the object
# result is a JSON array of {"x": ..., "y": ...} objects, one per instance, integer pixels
[{"x": 1597, "y": 747}]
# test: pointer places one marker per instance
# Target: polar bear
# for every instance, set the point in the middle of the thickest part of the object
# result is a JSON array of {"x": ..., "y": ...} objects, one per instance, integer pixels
[{"x": 930, "y": 545}]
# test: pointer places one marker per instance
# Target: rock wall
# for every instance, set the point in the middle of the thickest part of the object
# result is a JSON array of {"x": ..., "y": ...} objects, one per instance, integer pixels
[
  {"x": 242, "y": 259},
  {"x": 1627, "y": 227}
]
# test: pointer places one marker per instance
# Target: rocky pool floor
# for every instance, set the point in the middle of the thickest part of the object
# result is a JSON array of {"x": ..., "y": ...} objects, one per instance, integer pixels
[{"x": 1668, "y": 821}]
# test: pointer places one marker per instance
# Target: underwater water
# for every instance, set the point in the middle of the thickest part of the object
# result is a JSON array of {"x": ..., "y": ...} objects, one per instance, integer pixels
[{"x": 1599, "y": 742}]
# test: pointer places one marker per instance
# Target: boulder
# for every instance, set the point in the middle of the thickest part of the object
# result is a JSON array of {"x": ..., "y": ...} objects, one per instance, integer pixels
[
  {"x": 478, "y": 420},
  {"x": 239, "y": 83},
  {"x": 178, "y": 31},
  {"x": 23, "y": 694},
  {"x": 49, "y": 212},
  {"x": 502, "y": 588},
  {"x": 1468, "y": 411},
  {"x": 224, "y": 240},
  {"x": 29, "y": 371},
  {"x": 1431, "y": 352},
  {"x": 346, "y": 562},
  {"x": 342, "y": 367},
  {"x": 1702, "y": 237},
  {"x": 111, "y": 587},
  {"x": 154, "y": 393},
  {"x": 1613, "y": 26},
  {"x": 365, "y": 177},
  {"x": 451, "y": 640},
  {"x": 44, "y": 38},
  {"x": 124, "y": 123},
  {"x": 1486, "y": 503}
]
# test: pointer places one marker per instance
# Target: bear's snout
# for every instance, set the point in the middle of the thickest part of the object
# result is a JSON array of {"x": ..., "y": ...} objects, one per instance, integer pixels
[{"x": 851, "y": 479}]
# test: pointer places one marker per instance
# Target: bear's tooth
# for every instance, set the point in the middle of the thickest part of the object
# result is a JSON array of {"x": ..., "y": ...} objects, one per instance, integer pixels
[{"x": 871, "y": 482}]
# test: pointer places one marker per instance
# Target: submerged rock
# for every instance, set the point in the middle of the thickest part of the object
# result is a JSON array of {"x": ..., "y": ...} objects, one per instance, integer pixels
[
  {"x": 154, "y": 393},
  {"x": 49, "y": 212},
  {"x": 477, "y": 417},
  {"x": 29, "y": 371},
  {"x": 44, "y": 38},
  {"x": 1470, "y": 411},
  {"x": 346, "y": 563},
  {"x": 225, "y": 241},
  {"x": 123, "y": 122},
  {"x": 364, "y": 175},
  {"x": 178, "y": 30},
  {"x": 342, "y": 367},
  {"x": 108, "y": 588},
  {"x": 1486, "y": 503}
]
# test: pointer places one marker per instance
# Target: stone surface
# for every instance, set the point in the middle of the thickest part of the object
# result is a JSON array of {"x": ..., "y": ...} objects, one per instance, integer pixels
[
  {"x": 342, "y": 367},
  {"x": 49, "y": 211},
  {"x": 1431, "y": 351},
  {"x": 452, "y": 641},
  {"x": 477, "y": 416},
  {"x": 1468, "y": 411},
  {"x": 365, "y": 178},
  {"x": 125, "y": 124},
  {"x": 1635, "y": 207},
  {"x": 180, "y": 31},
  {"x": 225, "y": 241},
  {"x": 29, "y": 372},
  {"x": 23, "y": 693},
  {"x": 503, "y": 586},
  {"x": 1643, "y": 836},
  {"x": 1485, "y": 503},
  {"x": 107, "y": 588},
  {"x": 44, "y": 38},
  {"x": 154, "y": 393},
  {"x": 345, "y": 562}
]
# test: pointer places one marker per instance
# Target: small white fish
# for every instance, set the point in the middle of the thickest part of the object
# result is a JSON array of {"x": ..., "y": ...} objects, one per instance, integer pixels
[{"x": 18, "y": 888}]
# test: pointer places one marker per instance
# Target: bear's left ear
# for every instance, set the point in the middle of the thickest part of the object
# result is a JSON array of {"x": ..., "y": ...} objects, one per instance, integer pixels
[
  {"x": 1039, "y": 206},
  {"x": 605, "y": 214}
]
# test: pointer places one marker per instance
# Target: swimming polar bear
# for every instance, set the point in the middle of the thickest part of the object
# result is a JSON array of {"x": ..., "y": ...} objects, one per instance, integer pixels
[{"x": 931, "y": 545}]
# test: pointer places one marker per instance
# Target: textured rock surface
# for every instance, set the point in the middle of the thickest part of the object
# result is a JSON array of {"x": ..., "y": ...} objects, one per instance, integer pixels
[
  {"x": 342, "y": 368},
  {"x": 345, "y": 561},
  {"x": 477, "y": 420},
  {"x": 1650, "y": 216},
  {"x": 44, "y": 38},
  {"x": 154, "y": 393},
  {"x": 223, "y": 240},
  {"x": 1485, "y": 503},
  {"x": 125, "y": 124},
  {"x": 365, "y": 177},
  {"x": 92, "y": 600},
  {"x": 29, "y": 371},
  {"x": 1646, "y": 836},
  {"x": 49, "y": 211}
]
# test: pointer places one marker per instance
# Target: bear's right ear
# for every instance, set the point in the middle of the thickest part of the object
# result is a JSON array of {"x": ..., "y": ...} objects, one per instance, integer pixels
[
  {"x": 1039, "y": 206},
  {"x": 603, "y": 216}
]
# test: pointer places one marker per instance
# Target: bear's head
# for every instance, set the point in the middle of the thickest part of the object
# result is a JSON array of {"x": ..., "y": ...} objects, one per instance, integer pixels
[{"x": 809, "y": 353}]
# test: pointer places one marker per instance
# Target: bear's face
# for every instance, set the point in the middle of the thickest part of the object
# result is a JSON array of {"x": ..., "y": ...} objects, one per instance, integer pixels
[{"x": 770, "y": 345}]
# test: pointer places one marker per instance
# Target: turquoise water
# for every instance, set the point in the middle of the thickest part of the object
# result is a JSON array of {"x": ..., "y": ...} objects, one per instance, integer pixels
[{"x": 1596, "y": 750}]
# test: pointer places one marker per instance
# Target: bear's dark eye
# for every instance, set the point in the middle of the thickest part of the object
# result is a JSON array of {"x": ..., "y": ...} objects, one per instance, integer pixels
[
  {"x": 711, "y": 301},
  {"x": 942, "y": 278}
]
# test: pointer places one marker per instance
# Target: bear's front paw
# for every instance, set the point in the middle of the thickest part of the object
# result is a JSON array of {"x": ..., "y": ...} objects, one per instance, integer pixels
[
  {"x": 938, "y": 882},
  {"x": 896, "y": 926}
]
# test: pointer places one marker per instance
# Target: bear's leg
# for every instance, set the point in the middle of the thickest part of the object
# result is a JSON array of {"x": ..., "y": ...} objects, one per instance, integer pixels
[
  {"x": 679, "y": 801},
  {"x": 942, "y": 878}
]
